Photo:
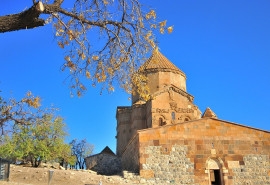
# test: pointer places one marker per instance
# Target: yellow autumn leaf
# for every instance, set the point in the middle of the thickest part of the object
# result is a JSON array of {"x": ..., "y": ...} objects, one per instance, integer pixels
[
  {"x": 163, "y": 23},
  {"x": 82, "y": 56},
  {"x": 110, "y": 71},
  {"x": 152, "y": 43},
  {"x": 32, "y": 101},
  {"x": 148, "y": 35},
  {"x": 170, "y": 29},
  {"x": 87, "y": 73},
  {"x": 161, "y": 30},
  {"x": 71, "y": 37},
  {"x": 60, "y": 44},
  {"x": 66, "y": 42},
  {"x": 81, "y": 16},
  {"x": 82, "y": 87},
  {"x": 153, "y": 26},
  {"x": 95, "y": 57},
  {"x": 151, "y": 14},
  {"x": 36, "y": 102},
  {"x": 67, "y": 58},
  {"x": 79, "y": 93},
  {"x": 71, "y": 65},
  {"x": 111, "y": 88},
  {"x": 103, "y": 76},
  {"x": 29, "y": 93},
  {"x": 70, "y": 34}
]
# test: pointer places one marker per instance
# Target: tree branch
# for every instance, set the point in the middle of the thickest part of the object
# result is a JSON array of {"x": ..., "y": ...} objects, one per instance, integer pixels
[
  {"x": 24, "y": 20},
  {"x": 58, "y": 2},
  {"x": 53, "y": 8}
]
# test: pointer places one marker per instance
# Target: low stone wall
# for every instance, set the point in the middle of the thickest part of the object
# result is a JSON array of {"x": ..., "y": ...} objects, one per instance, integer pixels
[{"x": 104, "y": 164}]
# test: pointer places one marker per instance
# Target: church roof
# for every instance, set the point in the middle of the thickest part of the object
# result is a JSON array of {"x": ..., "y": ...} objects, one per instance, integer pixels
[
  {"x": 208, "y": 113},
  {"x": 107, "y": 150},
  {"x": 158, "y": 62}
]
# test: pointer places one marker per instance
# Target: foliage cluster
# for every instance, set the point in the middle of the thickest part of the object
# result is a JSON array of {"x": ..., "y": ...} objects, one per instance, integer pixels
[
  {"x": 42, "y": 140},
  {"x": 104, "y": 41},
  {"x": 21, "y": 112},
  {"x": 32, "y": 134},
  {"x": 126, "y": 33}
]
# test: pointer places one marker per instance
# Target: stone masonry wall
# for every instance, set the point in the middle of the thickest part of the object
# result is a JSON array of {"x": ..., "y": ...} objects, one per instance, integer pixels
[
  {"x": 254, "y": 170},
  {"x": 130, "y": 157},
  {"x": 184, "y": 153},
  {"x": 123, "y": 128},
  {"x": 104, "y": 164},
  {"x": 169, "y": 167}
]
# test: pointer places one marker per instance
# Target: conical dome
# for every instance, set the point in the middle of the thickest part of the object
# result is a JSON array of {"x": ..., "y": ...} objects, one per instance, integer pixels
[{"x": 159, "y": 63}]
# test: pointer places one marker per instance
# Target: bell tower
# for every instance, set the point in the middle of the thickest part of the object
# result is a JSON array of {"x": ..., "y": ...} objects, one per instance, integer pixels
[{"x": 169, "y": 103}]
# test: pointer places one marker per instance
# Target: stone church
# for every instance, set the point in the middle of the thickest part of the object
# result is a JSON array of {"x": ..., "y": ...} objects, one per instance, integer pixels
[{"x": 167, "y": 139}]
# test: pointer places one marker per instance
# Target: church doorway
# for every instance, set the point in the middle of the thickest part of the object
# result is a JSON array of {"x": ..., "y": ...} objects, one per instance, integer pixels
[
  {"x": 214, "y": 169},
  {"x": 215, "y": 177}
]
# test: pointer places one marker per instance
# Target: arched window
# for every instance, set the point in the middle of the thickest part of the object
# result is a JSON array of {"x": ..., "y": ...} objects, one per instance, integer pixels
[
  {"x": 161, "y": 122},
  {"x": 173, "y": 115},
  {"x": 187, "y": 119}
]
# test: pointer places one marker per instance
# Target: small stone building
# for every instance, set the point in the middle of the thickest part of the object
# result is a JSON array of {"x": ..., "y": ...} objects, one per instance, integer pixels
[
  {"x": 104, "y": 163},
  {"x": 168, "y": 140}
]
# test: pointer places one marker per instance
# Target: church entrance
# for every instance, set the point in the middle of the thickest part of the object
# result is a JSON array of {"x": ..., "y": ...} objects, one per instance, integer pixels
[
  {"x": 214, "y": 170},
  {"x": 215, "y": 177}
]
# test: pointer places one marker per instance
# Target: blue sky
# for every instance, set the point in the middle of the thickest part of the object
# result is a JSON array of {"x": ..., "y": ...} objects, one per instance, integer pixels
[{"x": 222, "y": 46}]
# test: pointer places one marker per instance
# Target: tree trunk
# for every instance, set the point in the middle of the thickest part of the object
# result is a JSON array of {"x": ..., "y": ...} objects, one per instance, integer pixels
[
  {"x": 37, "y": 162},
  {"x": 32, "y": 161}
]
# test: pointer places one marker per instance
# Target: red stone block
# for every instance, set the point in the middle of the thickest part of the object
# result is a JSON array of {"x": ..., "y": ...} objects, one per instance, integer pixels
[{"x": 147, "y": 174}]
